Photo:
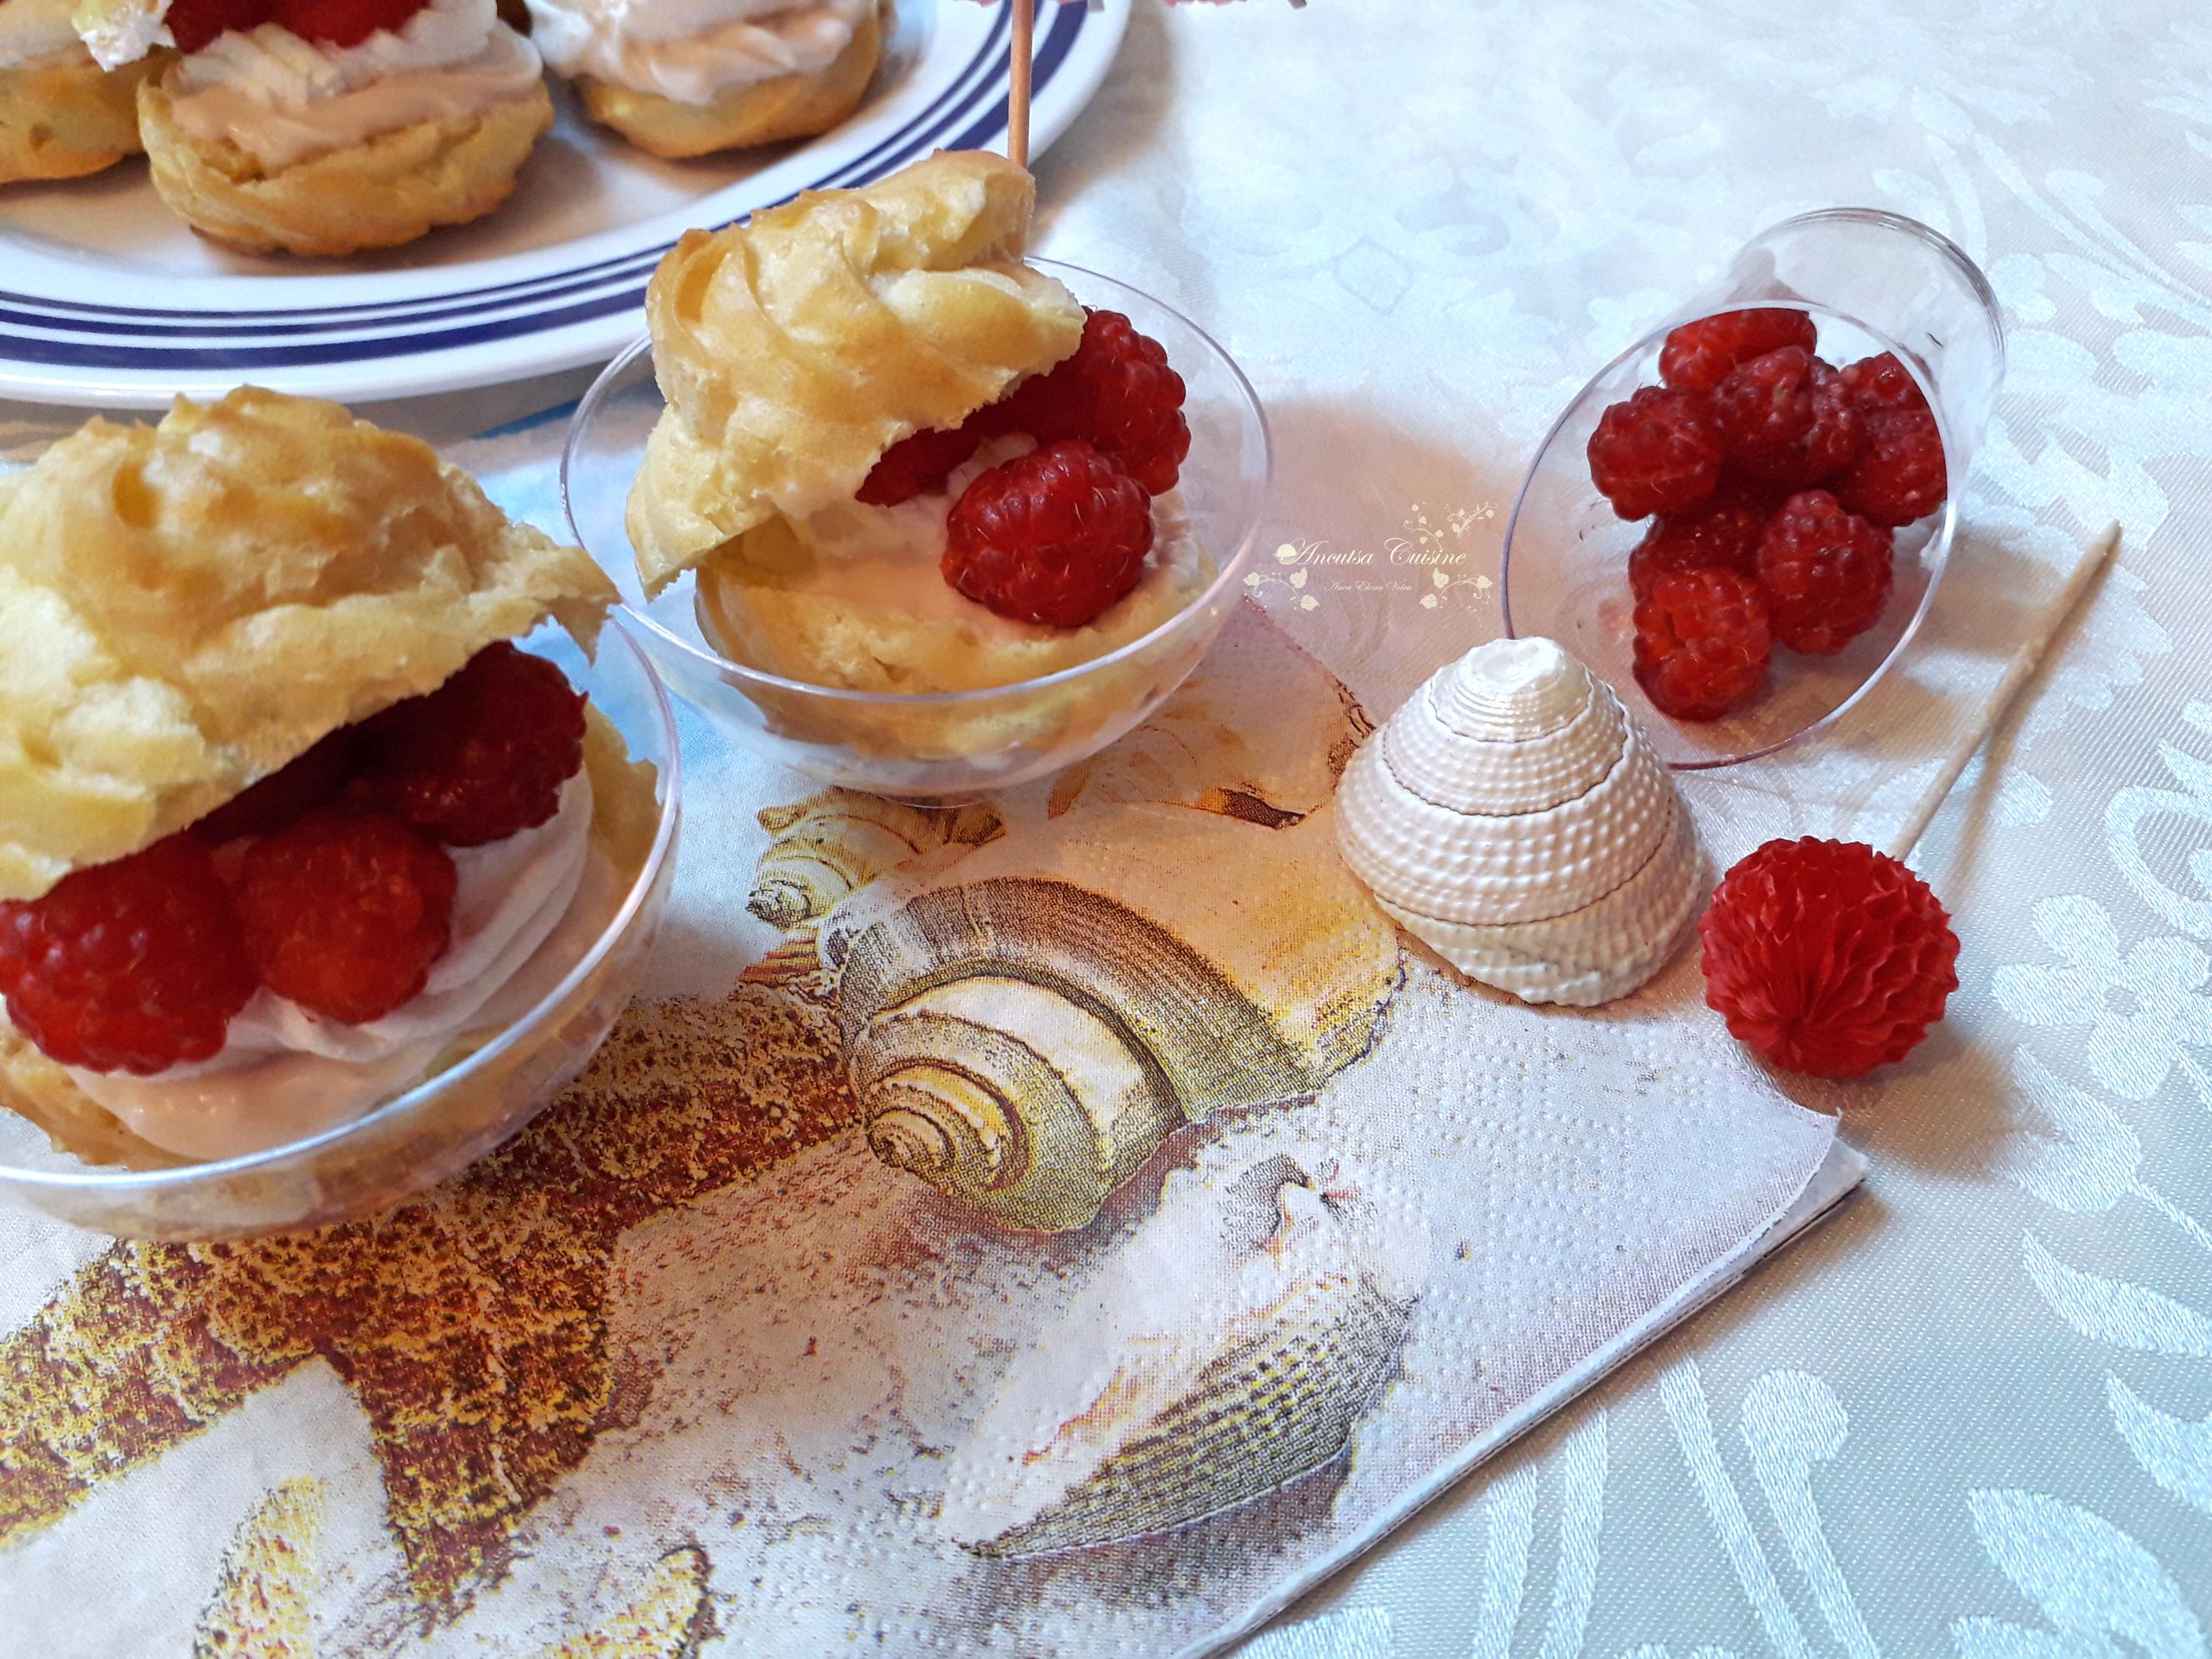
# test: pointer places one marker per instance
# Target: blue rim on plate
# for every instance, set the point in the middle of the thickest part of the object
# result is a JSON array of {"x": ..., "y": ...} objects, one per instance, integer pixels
[{"x": 449, "y": 328}]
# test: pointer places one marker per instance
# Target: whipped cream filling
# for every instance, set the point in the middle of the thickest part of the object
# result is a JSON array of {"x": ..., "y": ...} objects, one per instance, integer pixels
[
  {"x": 119, "y": 32},
  {"x": 284, "y": 100},
  {"x": 31, "y": 30},
  {"x": 890, "y": 559},
  {"x": 855, "y": 596},
  {"x": 692, "y": 50},
  {"x": 525, "y": 911}
]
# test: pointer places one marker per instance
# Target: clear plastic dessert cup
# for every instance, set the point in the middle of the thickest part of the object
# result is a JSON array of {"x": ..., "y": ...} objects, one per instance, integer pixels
[
  {"x": 439, "y": 1127},
  {"x": 1872, "y": 282},
  {"x": 953, "y": 745}
]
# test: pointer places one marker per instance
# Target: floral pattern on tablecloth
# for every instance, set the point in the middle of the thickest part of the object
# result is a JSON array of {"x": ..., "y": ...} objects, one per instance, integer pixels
[{"x": 1975, "y": 1416}]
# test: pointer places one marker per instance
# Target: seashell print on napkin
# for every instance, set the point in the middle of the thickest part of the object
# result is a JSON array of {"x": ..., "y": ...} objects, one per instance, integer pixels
[{"x": 1060, "y": 1225}]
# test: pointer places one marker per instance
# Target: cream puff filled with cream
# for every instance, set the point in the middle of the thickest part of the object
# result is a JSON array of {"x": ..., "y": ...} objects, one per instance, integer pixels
[
  {"x": 898, "y": 459},
  {"x": 689, "y": 77},
  {"x": 288, "y": 823},
  {"x": 325, "y": 127},
  {"x": 61, "y": 116}
]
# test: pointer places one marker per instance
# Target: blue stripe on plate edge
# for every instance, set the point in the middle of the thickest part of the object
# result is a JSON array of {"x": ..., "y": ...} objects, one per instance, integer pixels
[
  {"x": 1052, "y": 53},
  {"x": 371, "y": 313},
  {"x": 615, "y": 268}
]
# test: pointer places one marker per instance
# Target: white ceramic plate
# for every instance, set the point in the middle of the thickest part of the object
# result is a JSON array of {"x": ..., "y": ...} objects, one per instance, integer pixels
[{"x": 106, "y": 299}]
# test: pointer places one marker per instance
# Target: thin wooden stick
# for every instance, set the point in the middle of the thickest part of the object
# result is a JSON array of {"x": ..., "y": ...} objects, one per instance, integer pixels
[
  {"x": 2063, "y": 605},
  {"x": 1017, "y": 81}
]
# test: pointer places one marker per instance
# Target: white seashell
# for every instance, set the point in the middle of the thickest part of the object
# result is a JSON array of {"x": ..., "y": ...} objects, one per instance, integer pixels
[
  {"x": 1515, "y": 816},
  {"x": 1229, "y": 1348}
]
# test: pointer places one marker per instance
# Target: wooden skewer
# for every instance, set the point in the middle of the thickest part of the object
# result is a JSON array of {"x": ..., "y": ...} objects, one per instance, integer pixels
[
  {"x": 2063, "y": 605},
  {"x": 1017, "y": 81}
]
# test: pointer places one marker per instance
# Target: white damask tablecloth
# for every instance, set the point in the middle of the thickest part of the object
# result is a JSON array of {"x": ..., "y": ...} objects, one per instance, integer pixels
[{"x": 1973, "y": 1415}]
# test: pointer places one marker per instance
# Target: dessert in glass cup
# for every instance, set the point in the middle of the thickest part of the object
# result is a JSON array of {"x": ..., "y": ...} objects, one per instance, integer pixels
[
  {"x": 295, "y": 829},
  {"x": 946, "y": 526}
]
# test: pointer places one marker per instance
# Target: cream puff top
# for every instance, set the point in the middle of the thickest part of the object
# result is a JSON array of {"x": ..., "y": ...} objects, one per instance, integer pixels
[
  {"x": 283, "y": 99},
  {"x": 692, "y": 50}
]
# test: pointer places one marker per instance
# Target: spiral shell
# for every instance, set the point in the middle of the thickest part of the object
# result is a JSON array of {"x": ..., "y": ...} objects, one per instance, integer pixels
[
  {"x": 1515, "y": 816},
  {"x": 1228, "y": 1348},
  {"x": 839, "y": 841},
  {"x": 1025, "y": 1027}
]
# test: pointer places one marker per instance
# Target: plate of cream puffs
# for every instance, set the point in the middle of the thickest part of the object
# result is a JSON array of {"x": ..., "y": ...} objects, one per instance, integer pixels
[{"x": 381, "y": 198}]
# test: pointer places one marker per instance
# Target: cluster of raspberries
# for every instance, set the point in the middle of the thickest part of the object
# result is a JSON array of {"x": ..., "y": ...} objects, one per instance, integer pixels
[
  {"x": 330, "y": 882},
  {"x": 1061, "y": 535},
  {"x": 1774, "y": 483}
]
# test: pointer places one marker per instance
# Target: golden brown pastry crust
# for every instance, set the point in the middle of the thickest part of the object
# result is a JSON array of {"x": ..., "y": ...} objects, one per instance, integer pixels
[
  {"x": 188, "y": 606},
  {"x": 65, "y": 117},
  {"x": 759, "y": 112},
  {"x": 796, "y": 348},
  {"x": 394, "y": 188},
  {"x": 625, "y": 815}
]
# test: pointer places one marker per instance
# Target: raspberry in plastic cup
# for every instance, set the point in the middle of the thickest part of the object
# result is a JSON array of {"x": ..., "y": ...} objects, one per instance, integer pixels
[{"x": 1871, "y": 283}]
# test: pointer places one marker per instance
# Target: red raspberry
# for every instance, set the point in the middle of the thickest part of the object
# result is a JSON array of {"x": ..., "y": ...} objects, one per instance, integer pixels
[
  {"x": 1659, "y": 452},
  {"x": 1883, "y": 383},
  {"x": 1830, "y": 444},
  {"x": 1825, "y": 572},
  {"x": 1697, "y": 355},
  {"x": 1787, "y": 418},
  {"x": 1721, "y": 534},
  {"x": 1701, "y": 643},
  {"x": 1827, "y": 957},
  {"x": 132, "y": 966},
  {"x": 193, "y": 23},
  {"x": 1765, "y": 402},
  {"x": 1117, "y": 391},
  {"x": 1900, "y": 475},
  {"x": 343, "y": 22},
  {"x": 481, "y": 758},
  {"x": 918, "y": 463},
  {"x": 314, "y": 778},
  {"x": 1058, "y": 536},
  {"x": 344, "y": 912}
]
